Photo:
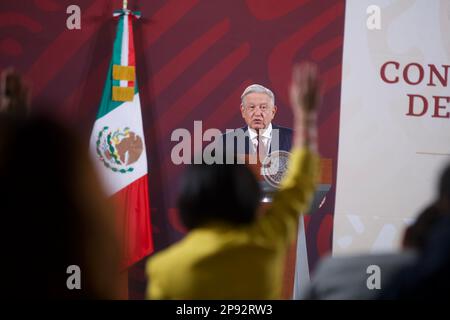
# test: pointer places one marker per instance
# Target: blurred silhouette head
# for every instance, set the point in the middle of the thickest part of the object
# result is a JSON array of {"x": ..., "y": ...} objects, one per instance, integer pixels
[
  {"x": 444, "y": 190},
  {"x": 416, "y": 235},
  {"x": 226, "y": 193},
  {"x": 54, "y": 214}
]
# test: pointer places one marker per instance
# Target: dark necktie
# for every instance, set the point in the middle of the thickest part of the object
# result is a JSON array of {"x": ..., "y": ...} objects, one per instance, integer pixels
[{"x": 260, "y": 149}]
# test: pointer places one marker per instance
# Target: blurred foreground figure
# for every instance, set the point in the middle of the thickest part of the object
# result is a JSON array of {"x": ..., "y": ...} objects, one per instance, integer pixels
[
  {"x": 229, "y": 253},
  {"x": 345, "y": 277},
  {"x": 429, "y": 277},
  {"x": 55, "y": 218}
]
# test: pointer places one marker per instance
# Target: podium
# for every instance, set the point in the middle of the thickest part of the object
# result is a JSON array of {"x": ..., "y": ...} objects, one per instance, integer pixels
[{"x": 296, "y": 270}]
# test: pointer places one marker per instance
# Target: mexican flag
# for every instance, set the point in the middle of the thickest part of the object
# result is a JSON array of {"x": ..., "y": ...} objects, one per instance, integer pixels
[{"x": 118, "y": 146}]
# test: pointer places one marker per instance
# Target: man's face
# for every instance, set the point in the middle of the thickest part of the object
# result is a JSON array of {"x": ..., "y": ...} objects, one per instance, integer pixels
[{"x": 257, "y": 110}]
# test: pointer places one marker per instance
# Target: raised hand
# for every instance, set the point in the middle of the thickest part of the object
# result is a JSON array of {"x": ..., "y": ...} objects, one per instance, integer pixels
[
  {"x": 305, "y": 87},
  {"x": 305, "y": 99},
  {"x": 14, "y": 93}
]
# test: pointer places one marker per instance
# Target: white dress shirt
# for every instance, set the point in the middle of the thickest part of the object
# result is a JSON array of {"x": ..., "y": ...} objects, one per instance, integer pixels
[{"x": 266, "y": 137}]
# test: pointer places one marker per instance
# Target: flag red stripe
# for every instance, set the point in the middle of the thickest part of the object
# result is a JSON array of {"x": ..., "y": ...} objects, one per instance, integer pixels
[{"x": 133, "y": 217}]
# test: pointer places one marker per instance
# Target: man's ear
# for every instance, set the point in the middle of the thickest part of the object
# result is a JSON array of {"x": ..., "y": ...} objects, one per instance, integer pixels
[{"x": 275, "y": 108}]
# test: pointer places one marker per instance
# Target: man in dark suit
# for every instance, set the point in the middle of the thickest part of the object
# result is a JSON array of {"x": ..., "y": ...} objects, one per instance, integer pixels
[{"x": 260, "y": 136}]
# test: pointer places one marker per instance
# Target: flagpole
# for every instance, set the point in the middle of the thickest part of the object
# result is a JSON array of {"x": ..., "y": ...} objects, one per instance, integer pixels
[{"x": 123, "y": 277}]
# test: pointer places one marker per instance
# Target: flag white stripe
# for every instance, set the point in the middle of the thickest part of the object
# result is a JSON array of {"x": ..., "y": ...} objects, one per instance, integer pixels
[
  {"x": 128, "y": 115},
  {"x": 124, "y": 53}
]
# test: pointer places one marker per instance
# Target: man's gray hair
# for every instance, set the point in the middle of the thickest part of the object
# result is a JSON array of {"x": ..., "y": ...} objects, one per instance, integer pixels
[{"x": 257, "y": 88}]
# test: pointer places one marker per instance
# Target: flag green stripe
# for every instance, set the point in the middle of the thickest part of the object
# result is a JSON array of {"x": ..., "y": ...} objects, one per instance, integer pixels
[
  {"x": 106, "y": 104},
  {"x": 118, "y": 42}
]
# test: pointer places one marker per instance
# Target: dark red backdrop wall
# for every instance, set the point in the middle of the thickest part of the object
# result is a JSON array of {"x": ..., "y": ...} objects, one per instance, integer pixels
[{"x": 194, "y": 58}]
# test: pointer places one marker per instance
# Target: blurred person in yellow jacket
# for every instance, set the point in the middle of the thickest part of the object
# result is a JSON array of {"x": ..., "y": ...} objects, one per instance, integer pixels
[{"x": 230, "y": 252}]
